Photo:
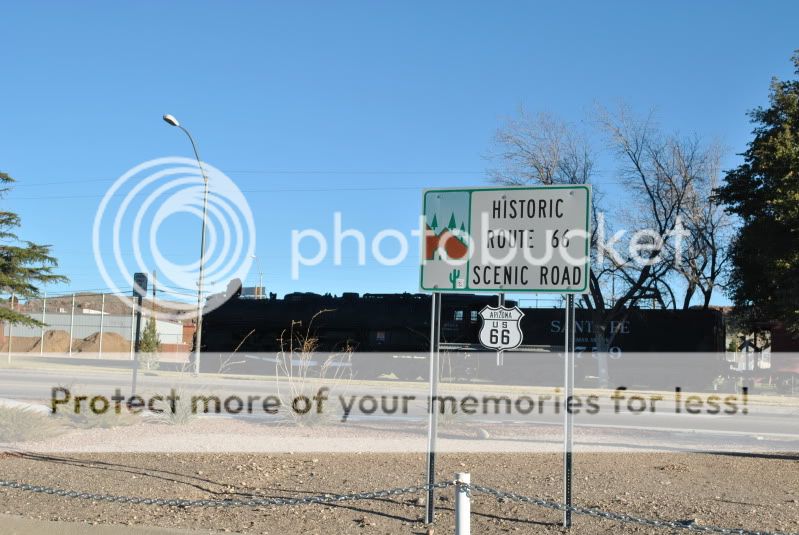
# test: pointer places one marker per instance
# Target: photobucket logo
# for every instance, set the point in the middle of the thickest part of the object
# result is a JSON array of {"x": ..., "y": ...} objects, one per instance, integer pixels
[
  {"x": 143, "y": 204},
  {"x": 497, "y": 247}
]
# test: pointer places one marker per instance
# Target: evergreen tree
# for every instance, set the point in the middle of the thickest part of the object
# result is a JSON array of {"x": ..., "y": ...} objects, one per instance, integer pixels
[
  {"x": 149, "y": 342},
  {"x": 434, "y": 224},
  {"x": 24, "y": 265},
  {"x": 764, "y": 193}
]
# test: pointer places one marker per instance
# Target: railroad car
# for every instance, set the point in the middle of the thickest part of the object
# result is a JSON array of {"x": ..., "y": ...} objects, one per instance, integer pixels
[{"x": 387, "y": 336}]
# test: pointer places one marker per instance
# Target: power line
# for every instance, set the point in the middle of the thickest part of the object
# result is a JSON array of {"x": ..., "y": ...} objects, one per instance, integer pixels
[
  {"x": 466, "y": 174},
  {"x": 308, "y": 189},
  {"x": 267, "y": 172},
  {"x": 269, "y": 190}
]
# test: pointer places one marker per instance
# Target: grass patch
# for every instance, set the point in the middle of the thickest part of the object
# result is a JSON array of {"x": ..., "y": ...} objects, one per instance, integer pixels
[
  {"x": 86, "y": 419},
  {"x": 183, "y": 412}
]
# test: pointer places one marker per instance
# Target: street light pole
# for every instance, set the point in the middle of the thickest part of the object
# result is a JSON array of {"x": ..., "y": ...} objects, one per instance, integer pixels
[{"x": 198, "y": 335}]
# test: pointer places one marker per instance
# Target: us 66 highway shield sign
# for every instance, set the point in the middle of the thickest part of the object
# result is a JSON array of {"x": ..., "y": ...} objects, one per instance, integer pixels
[
  {"x": 521, "y": 239},
  {"x": 501, "y": 328}
]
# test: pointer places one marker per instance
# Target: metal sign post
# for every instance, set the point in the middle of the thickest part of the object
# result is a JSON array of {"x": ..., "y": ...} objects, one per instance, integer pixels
[
  {"x": 504, "y": 240},
  {"x": 432, "y": 427},
  {"x": 500, "y": 353},
  {"x": 568, "y": 388}
]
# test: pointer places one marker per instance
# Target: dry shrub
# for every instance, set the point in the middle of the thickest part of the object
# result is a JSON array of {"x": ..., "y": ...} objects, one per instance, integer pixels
[
  {"x": 300, "y": 372},
  {"x": 87, "y": 419},
  {"x": 18, "y": 424},
  {"x": 183, "y": 412}
]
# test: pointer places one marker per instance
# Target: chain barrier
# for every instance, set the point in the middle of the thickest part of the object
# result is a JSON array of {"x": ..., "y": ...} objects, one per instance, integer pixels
[
  {"x": 619, "y": 517},
  {"x": 250, "y": 502},
  {"x": 335, "y": 498}
]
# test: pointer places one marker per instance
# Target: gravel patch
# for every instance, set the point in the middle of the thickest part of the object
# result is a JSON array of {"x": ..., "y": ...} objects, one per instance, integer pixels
[{"x": 752, "y": 491}]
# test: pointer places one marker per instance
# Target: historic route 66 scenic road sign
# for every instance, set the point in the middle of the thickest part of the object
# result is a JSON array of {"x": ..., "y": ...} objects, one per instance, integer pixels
[
  {"x": 519, "y": 239},
  {"x": 501, "y": 328}
]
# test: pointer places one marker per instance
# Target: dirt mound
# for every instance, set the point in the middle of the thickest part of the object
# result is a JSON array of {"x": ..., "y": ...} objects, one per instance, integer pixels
[
  {"x": 54, "y": 342},
  {"x": 112, "y": 343},
  {"x": 21, "y": 344},
  {"x": 58, "y": 342}
]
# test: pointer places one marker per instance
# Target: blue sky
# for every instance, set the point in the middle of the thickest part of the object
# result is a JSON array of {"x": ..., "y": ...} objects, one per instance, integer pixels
[{"x": 317, "y": 107}]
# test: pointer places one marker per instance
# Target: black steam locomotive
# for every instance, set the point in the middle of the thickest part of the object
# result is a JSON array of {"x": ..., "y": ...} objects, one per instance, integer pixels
[{"x": 388, "y": 336}]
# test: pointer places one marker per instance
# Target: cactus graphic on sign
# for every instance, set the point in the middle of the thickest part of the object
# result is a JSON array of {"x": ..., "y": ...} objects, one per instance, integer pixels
[
  {"x": 454, "y": 276},
  {"x": 446, "y": 248}
]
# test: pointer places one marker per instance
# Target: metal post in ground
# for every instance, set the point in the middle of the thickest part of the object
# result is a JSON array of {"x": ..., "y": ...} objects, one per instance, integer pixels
[
  {"x": 10, "y": 330},
  {"x": 500, "y": 353},
  {"x": 71, "y": 323},
  {"x": 132, "y": 330},
  {"x": 463, "y": 504},
  {"x": 432, "y": 427},
  {"x": 102, "y": 324},
  {"x": 44, "y": 316},
  {"x": 568, "y": 387}
]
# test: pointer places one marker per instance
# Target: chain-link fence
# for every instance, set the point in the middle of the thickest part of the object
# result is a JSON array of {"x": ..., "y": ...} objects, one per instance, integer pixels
[{"x": 91, "y": 325}]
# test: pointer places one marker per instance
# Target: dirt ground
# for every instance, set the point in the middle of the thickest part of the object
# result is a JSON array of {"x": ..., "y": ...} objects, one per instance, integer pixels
[{"x": 751, "y": 491}]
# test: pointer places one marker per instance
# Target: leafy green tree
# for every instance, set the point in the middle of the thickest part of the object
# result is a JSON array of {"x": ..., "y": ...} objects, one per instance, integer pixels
[
  {"x": 24, "y": 265},
  {"x": 764, "y": 193}
]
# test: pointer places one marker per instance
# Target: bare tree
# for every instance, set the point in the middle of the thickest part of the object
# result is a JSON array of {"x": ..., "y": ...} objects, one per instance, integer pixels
[
  {"x": 662, "y": 175},
  {"x": 540, "y": 149},
  {"x": 706, "y": 254}
]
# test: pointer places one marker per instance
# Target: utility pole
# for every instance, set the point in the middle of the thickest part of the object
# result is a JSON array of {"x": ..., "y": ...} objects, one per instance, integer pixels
[
  {"x": 102, "y": 326},
  {"x": 154, "y": 308},
  {"x": 44, "y": 315},
  {"x": 71, "y": 324},
  {"x": 10, "y": 331},
  {"x": 139, "y": 290}
]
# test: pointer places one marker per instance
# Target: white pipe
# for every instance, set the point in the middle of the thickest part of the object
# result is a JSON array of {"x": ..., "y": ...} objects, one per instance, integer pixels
[
  {"x": 463, "y": 504},
  {"x": 102, "y": 324},
  {"x": 71, "y": 323},
  {"x": 10, "y": 330},
  {"x": 44, "y": 314},
  {"x": 132, "y": 329}
]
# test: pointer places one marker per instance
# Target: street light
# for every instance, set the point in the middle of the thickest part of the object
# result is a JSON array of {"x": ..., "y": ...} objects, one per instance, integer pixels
[{"x": 198, "y": 335}]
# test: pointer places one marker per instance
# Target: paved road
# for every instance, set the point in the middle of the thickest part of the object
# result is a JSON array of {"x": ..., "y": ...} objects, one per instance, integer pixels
[{"x": 761, "y": 419}]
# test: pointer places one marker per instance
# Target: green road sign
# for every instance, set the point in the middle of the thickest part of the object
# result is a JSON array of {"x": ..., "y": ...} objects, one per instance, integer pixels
[{"x": 521, "y": 239}]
